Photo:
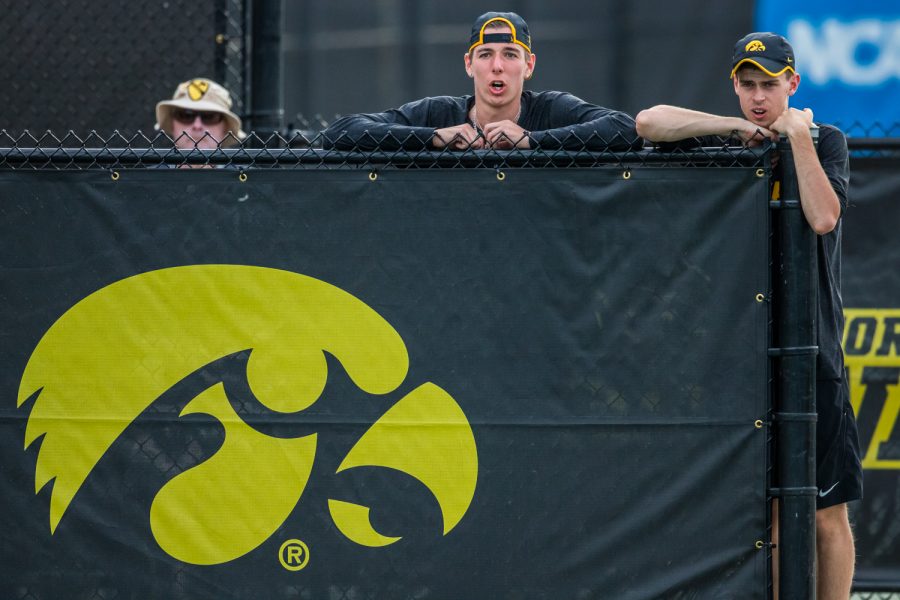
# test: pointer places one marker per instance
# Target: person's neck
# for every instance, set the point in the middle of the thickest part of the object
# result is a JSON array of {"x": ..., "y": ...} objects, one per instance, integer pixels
[{"x": 484, "y": 114}]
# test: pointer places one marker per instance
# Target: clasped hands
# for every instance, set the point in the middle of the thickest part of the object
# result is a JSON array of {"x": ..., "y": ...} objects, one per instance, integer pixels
[
  {"x": 790, "y": 123},
  {"x": 502, "y": 135}
]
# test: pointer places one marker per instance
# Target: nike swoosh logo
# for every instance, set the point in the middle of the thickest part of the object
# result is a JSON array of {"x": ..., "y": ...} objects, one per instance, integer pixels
[{"x": 828, "y": 491}]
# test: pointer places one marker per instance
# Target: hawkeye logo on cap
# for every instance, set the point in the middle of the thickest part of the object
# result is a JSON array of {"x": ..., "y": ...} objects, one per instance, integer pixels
[
  {"x": 114, "y": 353},
  {"x": 197, "y": 88},
  {"x": 755, "y": 46}
]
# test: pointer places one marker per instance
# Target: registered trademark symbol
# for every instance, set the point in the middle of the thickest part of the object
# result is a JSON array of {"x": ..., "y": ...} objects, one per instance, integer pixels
[{"x": 293, "y": 555}]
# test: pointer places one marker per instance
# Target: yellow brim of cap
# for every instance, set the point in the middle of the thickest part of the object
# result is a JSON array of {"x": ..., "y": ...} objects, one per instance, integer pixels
[
  {"x": 760, "y": 67},
  {"x": 512, "y": 28}
]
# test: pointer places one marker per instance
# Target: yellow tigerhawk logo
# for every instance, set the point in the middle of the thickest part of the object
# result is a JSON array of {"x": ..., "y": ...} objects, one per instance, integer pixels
[
  {"x": 755, "y": 46},
  {"x": 872, "y": 357},
  {"x": 115, "y": 352},
  {"x": 197, "y": 88}
]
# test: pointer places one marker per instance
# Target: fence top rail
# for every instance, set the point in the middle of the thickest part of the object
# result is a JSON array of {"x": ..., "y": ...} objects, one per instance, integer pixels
[
  {"x": 74, "y": 152},
  {"x": 247, "y": 158},
  {"x": 873, "y": 143},
  {"x": 310, "y": 150}
]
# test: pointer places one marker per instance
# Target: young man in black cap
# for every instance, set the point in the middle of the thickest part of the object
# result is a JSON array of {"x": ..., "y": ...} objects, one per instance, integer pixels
[
  {"x": 764, "y": 78},
  {"x": 499, "y": 114}
]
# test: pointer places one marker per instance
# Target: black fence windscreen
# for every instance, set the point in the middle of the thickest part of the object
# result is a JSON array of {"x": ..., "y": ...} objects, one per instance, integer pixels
[
  {"x": 422, "y": 384},
  {"x": 872, "y": 355}
]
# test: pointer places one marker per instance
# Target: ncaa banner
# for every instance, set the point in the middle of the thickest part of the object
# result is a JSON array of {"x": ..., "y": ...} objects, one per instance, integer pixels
[
  {"x": 848, "y": 56},
  {"x": 421, "y": 384},
  {"x": 872, "y": 355}
]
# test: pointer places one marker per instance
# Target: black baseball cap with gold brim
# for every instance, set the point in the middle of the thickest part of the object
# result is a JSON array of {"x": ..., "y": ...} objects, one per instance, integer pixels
[
  {"x": 767, "y": 51},
  {"x": 517, "y": 26}
]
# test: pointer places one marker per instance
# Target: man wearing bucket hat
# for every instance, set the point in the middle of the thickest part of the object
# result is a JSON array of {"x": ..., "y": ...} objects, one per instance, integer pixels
[
  {"x": 498, "y": 115},
  {"x": 199, "y": 116},
  {"x": 764, "y": 78}
]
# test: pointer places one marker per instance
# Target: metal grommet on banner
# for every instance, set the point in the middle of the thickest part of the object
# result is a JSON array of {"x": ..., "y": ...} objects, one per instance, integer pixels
[
  {"x": 220, "y": 38},
  {"x": 760, "y": 544},
  {"x": 373, "y": 175},
  {"x": 114, "y": 175},
  {"x": 500, "y": 175},
  {"x": 758, "y": 423},
  {"x": 626, "y": 174},
  {"x": 760, "y": 297},
  {"x": 242, "y": 177},
  {"x": 760, "y": 172}
]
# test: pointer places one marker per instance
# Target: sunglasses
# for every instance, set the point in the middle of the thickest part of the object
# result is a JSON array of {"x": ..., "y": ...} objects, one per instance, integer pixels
[{"x": 187, "y": 117}]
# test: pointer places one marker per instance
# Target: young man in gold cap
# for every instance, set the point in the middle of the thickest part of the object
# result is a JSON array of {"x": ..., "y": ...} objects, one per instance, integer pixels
[
  {"x": 500, "y": 114},
  {"x": 199, "y": 116},
  {"x": 764, "y": 78}
]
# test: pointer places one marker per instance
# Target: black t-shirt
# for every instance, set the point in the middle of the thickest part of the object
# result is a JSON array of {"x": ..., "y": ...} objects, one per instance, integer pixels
[
  {"x": 552, "y": 119},
  {"x": 832, "y": 152}
]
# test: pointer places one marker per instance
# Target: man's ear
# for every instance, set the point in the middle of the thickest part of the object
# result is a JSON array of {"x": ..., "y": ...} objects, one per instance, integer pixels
[
  {"x": 467, "y": 59},
  {"x": 529, "y": 70},
  {"x": 794, "y": 83}
]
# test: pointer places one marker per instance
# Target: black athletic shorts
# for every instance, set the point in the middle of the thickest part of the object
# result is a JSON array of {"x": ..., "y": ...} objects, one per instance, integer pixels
[{"x": 839, "y": 474}]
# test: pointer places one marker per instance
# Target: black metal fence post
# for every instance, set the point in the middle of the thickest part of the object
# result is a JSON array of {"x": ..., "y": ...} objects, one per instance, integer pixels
[
  {"x": 266, "y": 110},
  {"x": 794, "y": 311}
]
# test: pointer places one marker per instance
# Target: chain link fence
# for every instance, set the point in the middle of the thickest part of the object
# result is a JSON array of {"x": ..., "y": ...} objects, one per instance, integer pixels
[
  {"x": 877, "y": 140},
  {"x": 115, "y": 152},
  {"x": 857, "y": 129},
  {"x": 82, "y": 65},
  {"x": 312, "y": 148}
]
